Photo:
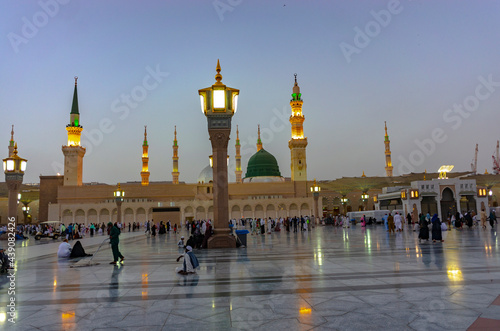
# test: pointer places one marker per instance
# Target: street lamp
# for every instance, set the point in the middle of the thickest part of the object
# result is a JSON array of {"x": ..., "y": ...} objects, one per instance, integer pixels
[
  {"x": 119, "y": 194},
  {"x": 219, "y": 103},
  {"x": 26, "y": 211},
  {"x": 365, "y": 198},
  {"x": 315, "y": 189},
  {"x": 344, "y": 201},
  {"x": 14, "y": 168}
]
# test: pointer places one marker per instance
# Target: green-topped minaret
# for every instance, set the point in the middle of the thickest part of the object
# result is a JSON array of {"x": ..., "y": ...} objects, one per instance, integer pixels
[
  {"x": 175, "y": 159},
  {"x": 298, "y": 143},
  {"x": 237, "y": 157},
  {"x": 145, "y": 159},
  {"x": 388, "y": 162},
  {"x": 73, "y": 151}
]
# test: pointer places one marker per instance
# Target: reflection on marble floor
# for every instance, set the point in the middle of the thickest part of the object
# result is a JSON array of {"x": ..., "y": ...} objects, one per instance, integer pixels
[{"x": 326, "y": 279}]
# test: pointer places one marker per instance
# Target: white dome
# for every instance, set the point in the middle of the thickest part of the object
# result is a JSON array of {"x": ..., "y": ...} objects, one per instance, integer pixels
[{"x": 206, "y": 175}]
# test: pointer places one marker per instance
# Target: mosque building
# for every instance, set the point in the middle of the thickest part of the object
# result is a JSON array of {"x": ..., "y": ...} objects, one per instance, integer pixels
[
  {"x": 259, "y": 192},
  {"x": 262, "y": 193}
]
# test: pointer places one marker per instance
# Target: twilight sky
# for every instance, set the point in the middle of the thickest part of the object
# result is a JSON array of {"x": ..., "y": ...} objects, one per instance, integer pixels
[{"x": 430, "y": 69}]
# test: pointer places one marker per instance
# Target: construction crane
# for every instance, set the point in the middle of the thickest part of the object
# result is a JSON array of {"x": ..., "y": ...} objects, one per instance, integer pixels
[
  {"x": 473, "y": 165},
  {"x": 496, "y": 162}
]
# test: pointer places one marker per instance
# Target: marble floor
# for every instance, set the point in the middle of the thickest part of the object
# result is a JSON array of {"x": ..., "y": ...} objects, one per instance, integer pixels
[{"x": 326, "y": 279}]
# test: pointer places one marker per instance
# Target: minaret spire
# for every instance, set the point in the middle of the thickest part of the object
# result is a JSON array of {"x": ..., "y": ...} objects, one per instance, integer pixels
[
  {"x": 259, "y": 142},
  {"x": 388, "y": 161},
  {"x": 73, "y": 151},
  {"x": 237, "y": 157},
  {"x": 218, "y": 76},
  {"x": 175, "y": 159},
  {"x": 145, "y": 159},
  {"x": 298, "y": 142},
  {"x": 11, "y": 142}
]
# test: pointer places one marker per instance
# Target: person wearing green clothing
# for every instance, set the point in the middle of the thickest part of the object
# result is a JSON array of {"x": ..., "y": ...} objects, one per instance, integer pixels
[{"x": 114, "y": 240}]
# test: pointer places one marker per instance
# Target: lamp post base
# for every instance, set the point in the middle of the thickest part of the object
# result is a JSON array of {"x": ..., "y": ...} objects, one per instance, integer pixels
[{"x": 222, "y": 240}]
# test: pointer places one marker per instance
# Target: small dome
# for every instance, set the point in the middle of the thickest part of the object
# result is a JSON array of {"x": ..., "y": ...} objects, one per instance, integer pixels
[
  {"x": 206, "y": 175},
  {"x": 262, "y": 164}
]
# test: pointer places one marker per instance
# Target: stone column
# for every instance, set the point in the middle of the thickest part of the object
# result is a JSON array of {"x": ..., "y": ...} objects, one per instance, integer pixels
[
  {"x": 118, "y": 210},
  {"x": 14, "y": 182},
  {"x": 316, "y": 209},
  {"x": 221, "y": 238}
]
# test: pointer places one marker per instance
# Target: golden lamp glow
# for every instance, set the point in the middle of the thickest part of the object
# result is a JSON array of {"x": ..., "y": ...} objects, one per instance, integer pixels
[
  {"x": 454, "y": 274},
  {"x": 68, "y": 316},
  {"x": 219, "y": 99},
  {"x": 403, "y": 194},
  {"x": 481, "y": 192},
  {"x": 119, "y": 193},
  {"x": 305, "y": 310},
  {"x": 315, "y": 188},
  {"x": 443, "y": 170},
  {"x": 413, "y": 194}
]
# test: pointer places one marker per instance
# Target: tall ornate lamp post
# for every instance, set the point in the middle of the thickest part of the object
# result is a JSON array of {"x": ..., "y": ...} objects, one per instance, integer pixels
[
  {"x": 344, "y": 201},
  {"x": 365, "y": 198},
  {"x": 219, "y": 103},
  {"x": 26, "y": 212},
  {"x": 315, "y": 189},
  {"x": 14, "y": 168},
  {"x": 119, "y": 194}
]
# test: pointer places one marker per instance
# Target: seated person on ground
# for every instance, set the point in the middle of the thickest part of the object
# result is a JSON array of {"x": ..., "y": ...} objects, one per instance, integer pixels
[
  {"x": 64, "y": 250},
  {"x": 78, "y": 250}
]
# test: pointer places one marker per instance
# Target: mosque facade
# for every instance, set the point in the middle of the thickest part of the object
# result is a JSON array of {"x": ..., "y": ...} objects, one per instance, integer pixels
[{"x": 261, "y": 193}]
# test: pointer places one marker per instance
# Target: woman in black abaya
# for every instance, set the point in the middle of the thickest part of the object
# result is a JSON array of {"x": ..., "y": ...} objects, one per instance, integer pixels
[
  {"x": 436, "y": 229},
  {"x": 423, "y": 233}
]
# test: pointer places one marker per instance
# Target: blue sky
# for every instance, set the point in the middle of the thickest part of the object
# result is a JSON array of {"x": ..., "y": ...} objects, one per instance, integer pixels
[{"x": 409, "y": 68}]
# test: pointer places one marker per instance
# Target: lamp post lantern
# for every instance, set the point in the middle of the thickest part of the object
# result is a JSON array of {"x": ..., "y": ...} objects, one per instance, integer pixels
[
  {"x": 14, "y": 168},
  {"x": 315, "y": 189},
  {"x": 219, "y": 103},
  {"x": 365, "y": 198},
  {"x": 119, "y": 194}
]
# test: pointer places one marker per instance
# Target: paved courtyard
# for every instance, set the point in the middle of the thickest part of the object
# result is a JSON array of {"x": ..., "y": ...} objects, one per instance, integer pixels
[{"x": 326, "y": 279}]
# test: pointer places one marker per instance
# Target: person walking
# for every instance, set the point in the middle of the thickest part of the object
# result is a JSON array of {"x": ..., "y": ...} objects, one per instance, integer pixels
[
  {"x": 114, "y": 240},
  {"x": 483, "y": 219},
  {"x": 436, "y": 229},
  {"x": 493, "y": 218},
  {"x": 390, "y": 223},
  {"x": 423, "y": 232}
]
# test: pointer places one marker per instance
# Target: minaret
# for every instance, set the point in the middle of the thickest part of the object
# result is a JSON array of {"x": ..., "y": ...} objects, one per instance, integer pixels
[
  {"x": 145, "y": 159},
  {"x": 11, "y": 142},
  {"x": 73, "y": 152},
  {"x": 388, "y": 162},
  {"x": 259, "y": 142},
  {"x": 175, "y": 159},
  {"x": 238, "y": 171},
  {"x": 298, "y": 143}
]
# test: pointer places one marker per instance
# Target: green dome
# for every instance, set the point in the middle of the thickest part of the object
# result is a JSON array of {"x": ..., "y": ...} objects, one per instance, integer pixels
[{"x": 261, "y": 164}]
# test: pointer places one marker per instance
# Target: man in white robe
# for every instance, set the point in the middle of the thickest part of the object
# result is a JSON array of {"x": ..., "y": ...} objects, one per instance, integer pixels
[
  {"x": 398, "y": 222},
  {"x": 64, "y": 250},
  {"x": 189, "y": 264}
]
